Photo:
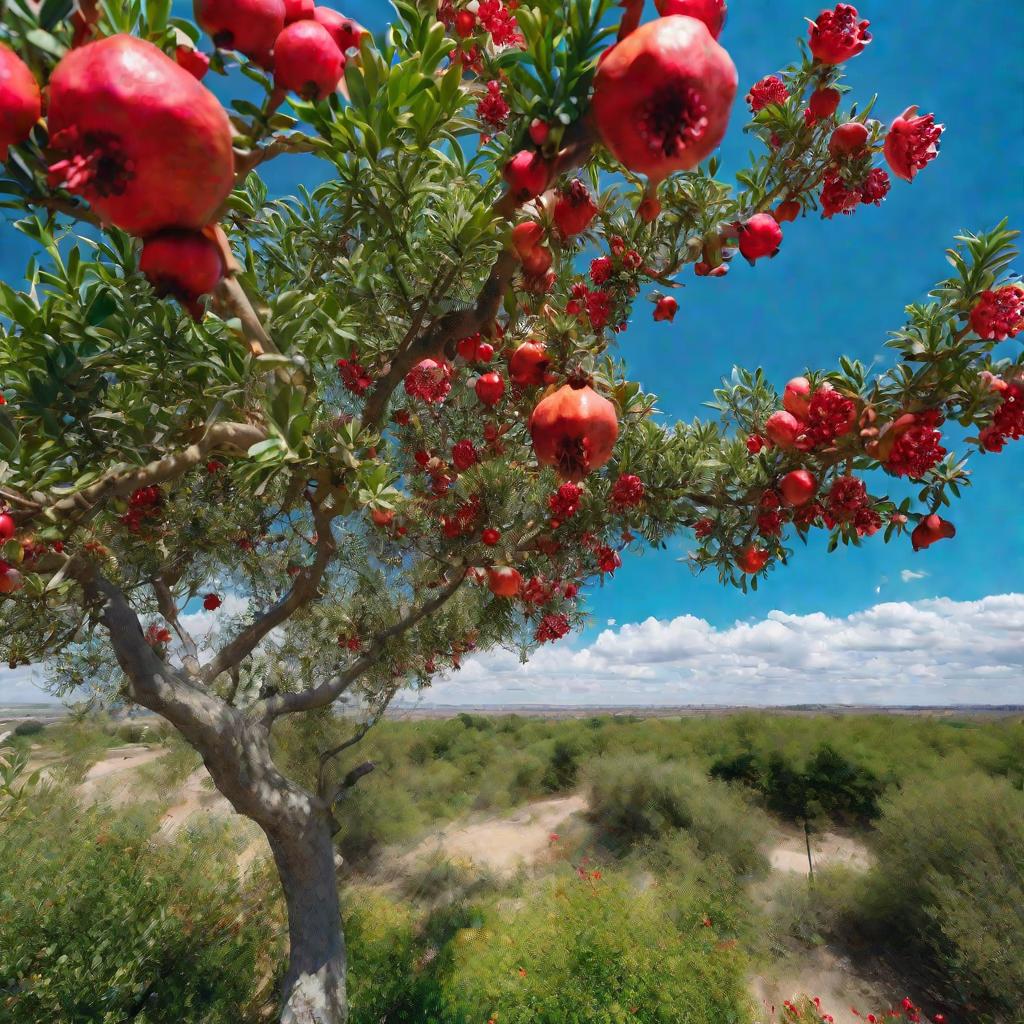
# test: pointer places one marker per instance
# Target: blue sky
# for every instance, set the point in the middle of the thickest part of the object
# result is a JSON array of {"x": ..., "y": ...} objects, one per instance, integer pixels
[{"x": 837, "y": 287}]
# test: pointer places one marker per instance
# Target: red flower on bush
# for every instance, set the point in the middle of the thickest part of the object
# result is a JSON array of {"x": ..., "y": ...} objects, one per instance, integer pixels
[
  {"x": 999, "y": 313},
  {"x": 354, "y": 376},
  {"x": 551, "y": 628},
  {"x": 766, "y": 92},
  {"x": 838, "y": 35}
]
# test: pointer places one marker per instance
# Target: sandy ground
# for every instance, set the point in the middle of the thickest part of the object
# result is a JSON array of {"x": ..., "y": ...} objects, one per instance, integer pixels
[
  {"x": 789, "y": 853},
  {"x": 110, "y": 778},
  {"x": 503, "y": 844}
]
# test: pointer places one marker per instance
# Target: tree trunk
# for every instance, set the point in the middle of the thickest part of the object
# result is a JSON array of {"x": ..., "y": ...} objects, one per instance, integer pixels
[
  {"x": 807, "y": 840},
  {"x": 314, "y": 988}
]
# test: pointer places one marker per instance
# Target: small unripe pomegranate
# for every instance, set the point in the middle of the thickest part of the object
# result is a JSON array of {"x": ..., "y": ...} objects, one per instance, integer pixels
[
  {"x": 539, "y": 131},
  {"x": 184, "y": 265},
  {"x": 527, "y": 174},
  {"x": 10, "y": 579},
  {"x": 752, "y": 559},
  {"x": 783, "y": 429},
  {"x": 19, "y": 100},
  {"x": 307, "y": 61},
  {"x": 8, "y": 527},
  {"x": 489, "y": 388},
  {"x": 649, "y": 209},
  {"x": 504, "y": 581},
  {"x": 195, "y": 63},
  {"x": 528, "y": 365},
  {"x": 838, "y": 35},
  {"x": 484, "y": 352},
  {"x": 662, "y": 96},
  {"x": 798, "y": 487},
  {"x": 930, "y": 530},
  {"x": 797, "y": 397},
  {"x": 382, "y": 517},
  {"x": 345, "y": 32},
  {"x": 465, "y": 23},
  {"x": 759, "y": 237},
  {"x": 249, "y": 26},
  {"x": 574, "y": 430},
  {"x": 490, "y": 536},
  {"x": 666, "y": 308},
  {"x": 146, "y": 144},
  {"x": 575, "y": 209},
  {"x": 848, "y": 139},
  {"x": 711, "y": 12},
  {"x": 823, "y": 103}
]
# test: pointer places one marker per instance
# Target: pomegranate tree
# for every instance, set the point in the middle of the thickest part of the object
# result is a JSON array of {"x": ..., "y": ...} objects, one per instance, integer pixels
[{"x": 375, "y": 428}]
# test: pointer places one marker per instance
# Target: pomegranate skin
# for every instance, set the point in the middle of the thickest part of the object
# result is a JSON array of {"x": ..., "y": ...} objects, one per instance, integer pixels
[
  {"x": 345, "y": 32},
  {"x": 504, "y": 581},
  {"x": 147, "y": 144},
  {"x": 19, "y": 100},
  {"x": 782, "y": 428},
  {"x": 182, "y": 264},
  {"x": 752, "y": 559},
  {"x": 528, "y": 365},
  {"x": 7, "y": 526},
  {"x": 298, "y": 10},
  {"x": 797, "y": 397},
  {"x": 574, "y": 430},
  {"x": 759, "y": 237},
  {"x": 711, "y": 12},
  {"x": 798, "y": 487},
  {"x": 249, "y": 26},
  {"x": 848, "y": 140},
  {"x": 662, "y": 96},
  {"x": 527, "y": 174},
  {"x": 307, "y": 61}
]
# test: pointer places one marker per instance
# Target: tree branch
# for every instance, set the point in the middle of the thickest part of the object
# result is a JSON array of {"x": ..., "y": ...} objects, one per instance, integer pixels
[
  {"x": 351, "y": 778},
  {"x": 168, "y": 606}
]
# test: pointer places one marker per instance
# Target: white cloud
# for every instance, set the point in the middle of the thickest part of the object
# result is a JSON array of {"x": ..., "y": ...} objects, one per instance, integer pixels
[
  {"x": 927, "y": 652},
  {"x": 908, "y": 575}
]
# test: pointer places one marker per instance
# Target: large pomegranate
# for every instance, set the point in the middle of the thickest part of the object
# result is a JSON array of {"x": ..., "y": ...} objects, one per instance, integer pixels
[
  {"x": 662, "y": 96},
  {"x": 574, "y": 429},
  {"x": 711, "y": 12},
  {"x": 19, "y": 100},
  {"x": 345, "y": 32},
  {"x": 182, "y": 264},
  {"x": 249, "y": 26},
  {"x": 307, "y": 61},
  {"x": 146, "y": 144}
]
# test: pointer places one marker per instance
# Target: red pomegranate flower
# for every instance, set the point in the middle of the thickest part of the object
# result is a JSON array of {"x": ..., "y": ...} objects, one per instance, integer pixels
[
  {"x": 565, "y": 502},
  {"x": 916, "y": 451},
  {"x": 662, "y": 96},
  {"x": 912, "y": 142},
  {"x": 876, "y": 187},
  {"x": 838, "y": 35},
  {"x": 830, "y": 415},
  {"x": 847, "y": 496},
  {"x": 549, "y": 629},
  {"x": 930, "y": 530},
  {"x": 836, "y": 196},
  {"x": 627, "y": 491},
  {"x": 766, "y": 92},
  {"x": 429, "y": 380},
  {"x": 147, "y": 145},
  {"x": 1007, "y": 421},
  {"x": 19, "y": 100},
  {"x": 574, "y": 430},
  {"x": 600, "y": 269},
  {"x": 492, "y": 107},
  {"x": 464, "y": 455},
  {"x": 999, "y": 313},
  {"x": 212, "y": 602},
  {"x": 354, "y": 376}
]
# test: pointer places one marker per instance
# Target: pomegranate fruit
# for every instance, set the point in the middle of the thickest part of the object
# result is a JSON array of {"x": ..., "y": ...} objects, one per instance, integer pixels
[
  {"x": 797, "y": 397},
  {"x": 662, "y": 96},
  {"x": 798, "y": 487},
  {"x": 7, "y": 527},
  {"x": 195, "y": 63},
  {"x": 666, "y": 308},
  {"x": 752, "y": 559},
  {"x": 848, "y": 140},
  {"x": 504, "y": 581},
  {"x": 490, "y": 536},
  {"x": 537, "y": 262},
  {"x": 298, "y": 10},
  {"x": 823, "y": 103},
  {"x": 182, "y": 264},
  {"x": 489, "y": 388},
  {"x": 382, "y": 517},
  {"x": 783, "y": 428},
  {"x": 249, "y": 26},
  {"x": 527, "y": 174},
  {"x": 19, "y": 100},
  {"x": 528, "y": 365},
  {"x": 10, "y": 579},
  {"x": 759, "y": 237},
  {"x": 345, "y": 32},
  {"x": 574, "y": 430},
  {"x": 930, "y": 530},
  {"x": 526, "y": 237},
  {"x": 307, "y": 61},
  {"x": 575, "y": 209},
  {"x": 147, "y": 145},
  {"x": 711, "y": 12}
]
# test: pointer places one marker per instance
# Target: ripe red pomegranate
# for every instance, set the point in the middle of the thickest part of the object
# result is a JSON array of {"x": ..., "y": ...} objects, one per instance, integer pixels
[
  {"x": 539, "y": 131},
  {"x": 797, "y": 397},
  {"x": 527, "y": 174},
  {"x": 298, "y": 10},
  {"x": 10, "y": 579},
  {"x": 574, "y": 429},
  {"x": 526, "y": 236},
  {"x": 147, "y": 145},
  {"x": 382, "y": 516},
  {"x": 345, "y": 32},
  {"x": 490, "y": 536},
  {"x": 504, "y": 581},
  {"x": 182, "y": 264},
  {"x": 848, "y": 139},
  {"x": 666, "y": 308},
  {"x": 711, "y": 12},
  {"x": 8, "y": 527},
  {"x": 649, "y": 209},
  {"x": 752, "y": 559},
  {"x": 307, "y": 61},
  {"x": 249, "y": 26},
  {"x": 537, "y": 262},
  {"x": 489, "y": 388},
  {"x": 528, "y": 365},
  {"x": 760, "y": 236},
  {"x": 19, "y": 100},
  {"x": 575, "y": 209},
  {"x": 195, "y": 63},
  {"x": 931, "y": 529},
  {"x": 823, "y": 103},
  {"x": 465, "y": 23},
  {"x": 783, "y": 428},
  {"x": 662, "y": 96},
  {"x": 798, "y": 487}
]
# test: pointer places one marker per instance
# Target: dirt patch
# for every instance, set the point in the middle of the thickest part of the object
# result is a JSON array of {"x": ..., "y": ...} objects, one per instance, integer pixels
[
  {"x": 789, "y": 853},
  {"x": 503, "y": 844},
  {"x": 109, "y": 779}
]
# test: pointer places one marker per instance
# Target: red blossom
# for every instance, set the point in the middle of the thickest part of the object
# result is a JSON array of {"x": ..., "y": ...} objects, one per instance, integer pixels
[
  {"x": 836, "y": 196},
  {"x": 836, "y": 36},
  {"x": 497, "y": 19},
  {"x": 429, "y": 380},
  {"x": 912, "y": 142},
  {"x": 876, "y": 187},
  {"x": 551, "y": 628},
  {"x": 492, "y": 108},
  {"x": 600, "y": 269},
  {"x": 354, "y": 376},
  {"x": 607, "y": 559},
  {"x": 627, "y": 492},
  {"x": 916, "y": 451},
  {"x": 999, "y": 313},
  {"x": 703, "y": 528},
  {"x": 847, "y": 496},
  {"x": 829, "y": 416},
  {"x": 599, "y": 309},
  {"x": 766, "y": 92},
  {"x": 464, "y": 455},
  {"x": 565, "y": 502},
  {"x": 1007, "y": 421}
]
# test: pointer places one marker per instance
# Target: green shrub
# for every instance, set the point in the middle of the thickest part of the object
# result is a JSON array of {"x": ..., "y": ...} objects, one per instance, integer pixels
[
  {"x": 30, "y": 727},
  {"x": 98, "y": 925},
  {"x": 638, "y": 798}
]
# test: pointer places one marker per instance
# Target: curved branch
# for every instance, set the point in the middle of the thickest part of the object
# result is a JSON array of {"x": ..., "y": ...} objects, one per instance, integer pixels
[{"x": 169, "y": 610}]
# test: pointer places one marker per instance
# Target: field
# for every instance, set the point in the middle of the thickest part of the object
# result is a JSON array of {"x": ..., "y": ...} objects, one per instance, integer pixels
[{"x": 533, "y": 870}]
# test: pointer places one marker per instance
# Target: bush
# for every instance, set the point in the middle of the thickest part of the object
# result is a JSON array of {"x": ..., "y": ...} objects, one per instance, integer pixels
[
  {"x": 638, "y": 798},
  {"x": 30, "y": 727},
  {"x": 950, "y": 885},
  {"x": 98, "y": 925}
]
